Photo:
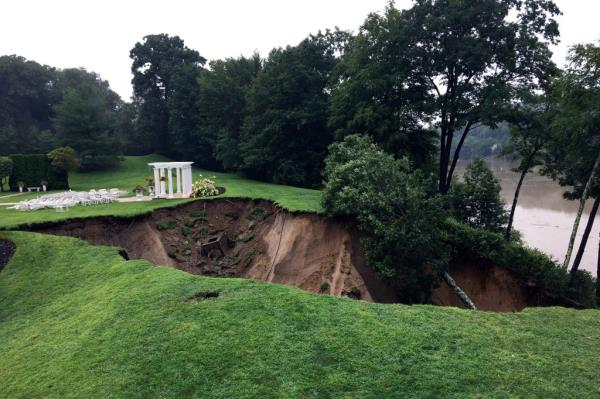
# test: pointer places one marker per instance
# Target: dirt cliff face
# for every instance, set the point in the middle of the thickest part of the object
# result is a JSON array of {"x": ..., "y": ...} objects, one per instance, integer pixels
[
  {"x": 242, "y": 238},
  {"x": 257, "y": 240}
]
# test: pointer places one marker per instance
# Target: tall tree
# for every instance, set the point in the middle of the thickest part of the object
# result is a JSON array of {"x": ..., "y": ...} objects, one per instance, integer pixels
[
  {"x": 285, "y": 134},
  {"x": 26, "y": 97},
  {"x": 222, "y": 106},
  {"x": 159, "y": 63},
  {"x": 574, "y": 154},
  {"x": 87, "y": 121},
  {"x": 448, "y": 64}
]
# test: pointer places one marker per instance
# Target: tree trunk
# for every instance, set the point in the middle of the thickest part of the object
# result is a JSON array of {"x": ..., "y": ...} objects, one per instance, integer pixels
[
  {"x": 586, "y": 235},
  {"x": 459, "y": 292},
  {"x": 514, "y": 205},
  {"x": 598, "y": 275},
  {"x": 524, "y": 170},
  {"x": 584, "y": 196}
]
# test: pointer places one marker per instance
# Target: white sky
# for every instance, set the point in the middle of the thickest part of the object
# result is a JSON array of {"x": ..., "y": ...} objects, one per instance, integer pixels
[{"x": 98, "y": 35}]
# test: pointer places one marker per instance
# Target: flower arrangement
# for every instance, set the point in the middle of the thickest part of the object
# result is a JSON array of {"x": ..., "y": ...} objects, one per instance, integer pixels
[{"x": 204, "y": 188}]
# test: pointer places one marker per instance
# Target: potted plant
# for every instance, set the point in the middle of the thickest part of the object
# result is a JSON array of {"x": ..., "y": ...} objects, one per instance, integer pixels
[
  {"x": 139, "y": 191},
  {"x": 20, "y": 184},
  {"x": 44, "y": 184}
]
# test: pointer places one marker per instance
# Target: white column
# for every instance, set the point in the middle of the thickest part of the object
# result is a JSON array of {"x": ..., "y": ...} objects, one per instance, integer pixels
[
  {"x": 189, "y": 180},
  {"x": 178, "y": 180},
  {"x": 163, "y": 190},
  {"x": 156, "y": 183},
  {"x": 170, "y": 177}
]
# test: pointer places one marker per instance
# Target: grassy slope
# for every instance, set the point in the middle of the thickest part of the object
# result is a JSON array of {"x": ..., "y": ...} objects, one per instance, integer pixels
[
  {"x": 74, "y": 326},
  {"x": 133, "y": 171}
]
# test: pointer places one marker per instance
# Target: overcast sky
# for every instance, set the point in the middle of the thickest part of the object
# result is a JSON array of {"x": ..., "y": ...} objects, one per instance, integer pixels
[{"x": 98, "y": 35}]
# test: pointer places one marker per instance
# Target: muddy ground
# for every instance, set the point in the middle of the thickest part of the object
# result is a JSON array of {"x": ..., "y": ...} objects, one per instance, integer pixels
[
  {"x": 256, "y": 239},
  {"x": 7, "y": 249}
]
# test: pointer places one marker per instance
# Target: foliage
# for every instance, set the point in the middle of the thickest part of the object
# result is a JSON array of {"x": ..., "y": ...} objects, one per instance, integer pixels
[
  {"x": 166, "y": 225},
  {"x": 125, "y": 316},
  {"x": 440, "y": 62},
  {"x": 395, "y": 206},
  {"x": 204, "y": 188},
  {"x": 575, "y": 141},
  {"x": 526, "y": 262},
  {"x": 477, "y": 201},
  {"x": 6, "y": 167},
  {"x": 285, "y": 134},
  {"x": 164, "y": 73},
  {"x": 86, "y": 122},
  {"x": 64, "y": 159},
  {"x": 32, "y": 169},
  {"x": 222, "y": 107},
  {"x": 26, "y": 99}
]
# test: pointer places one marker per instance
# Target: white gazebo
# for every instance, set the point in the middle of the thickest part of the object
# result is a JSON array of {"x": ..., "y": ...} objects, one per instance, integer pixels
[{"x": 163, "y": 179}]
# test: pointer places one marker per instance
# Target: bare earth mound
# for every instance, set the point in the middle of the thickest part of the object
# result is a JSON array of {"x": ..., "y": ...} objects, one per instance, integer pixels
[
  {"x": 257, "y": 240},
  {"x": 7, "y": 249}
]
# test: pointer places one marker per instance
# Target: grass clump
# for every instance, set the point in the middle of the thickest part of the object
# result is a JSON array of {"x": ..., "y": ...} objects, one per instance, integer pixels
[
  {"x": 186, "y": 230},
  {"x": 247, "y": 237},
  {"x": 166, "y": 225}
]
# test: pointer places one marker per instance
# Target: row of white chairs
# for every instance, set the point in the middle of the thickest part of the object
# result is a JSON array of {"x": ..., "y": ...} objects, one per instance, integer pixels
[{"x": 61, "y": 202}]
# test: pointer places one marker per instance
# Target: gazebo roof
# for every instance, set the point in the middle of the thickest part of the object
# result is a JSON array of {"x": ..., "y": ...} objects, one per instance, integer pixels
[{"x": 170, "y": 164}]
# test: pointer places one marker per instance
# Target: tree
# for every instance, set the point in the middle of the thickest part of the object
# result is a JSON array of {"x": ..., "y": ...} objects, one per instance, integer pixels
[
  {"x": 26, "y": 97},
  {"x": 529, "y": 134},
  {"x": 6, "y": 166},
  {"x": 160, "y": 64},
  {"x": 64, "y": 159},
  {"x": 86, "y": 122},
  {"x": 574, "y": 154},
  {"x": 395, "y": 206},
  {"x": 285, "y": 134},
  {"x": 477, "y": 201},
  {"x": 222, "y": 106},
  {"x": 446, "y": 64}
]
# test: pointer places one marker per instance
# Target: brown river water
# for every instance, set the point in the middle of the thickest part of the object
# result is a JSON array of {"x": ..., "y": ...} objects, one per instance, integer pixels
[{"x": 544, "y": 217}]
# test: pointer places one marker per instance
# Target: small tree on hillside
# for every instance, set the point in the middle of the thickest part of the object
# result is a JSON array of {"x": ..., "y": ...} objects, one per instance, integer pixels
[
  {"x": 396, "y": 207},
  {"x": 6, "y": 166},
  {"x": 64, "y": 159},
  {"x": 476, "y": 199}
]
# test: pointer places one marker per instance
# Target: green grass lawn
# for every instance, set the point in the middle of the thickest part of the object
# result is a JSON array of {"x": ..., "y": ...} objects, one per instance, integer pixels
[
  {"x": 79, "y": 321},
  {"x": 133, "y": 170}
]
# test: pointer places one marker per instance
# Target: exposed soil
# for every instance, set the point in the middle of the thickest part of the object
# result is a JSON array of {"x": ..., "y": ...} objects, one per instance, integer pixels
[
  {"x": 256, "y": 239},
  {"x": 7, "y": 249},
  {"x": 242, "y": 238},
  {"x": 492, "y": 287}
]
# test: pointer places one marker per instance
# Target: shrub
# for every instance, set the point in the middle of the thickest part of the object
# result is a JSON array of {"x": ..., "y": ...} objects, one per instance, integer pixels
[
  {"x": 6, "y": 167},
  {"x": 185, "y": 230},
  {"x": 32, "y": 169},
  {"x": 64, "y": 159},
  {"x": 204, "y": 188},
  {"x": 166, "y": 225}
]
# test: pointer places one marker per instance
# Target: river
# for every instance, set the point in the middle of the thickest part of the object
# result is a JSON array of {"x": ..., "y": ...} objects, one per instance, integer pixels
[{"x": 544, "y": 217}]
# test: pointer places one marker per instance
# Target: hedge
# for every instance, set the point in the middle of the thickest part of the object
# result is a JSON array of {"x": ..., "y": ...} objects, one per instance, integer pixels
[
  {"x": 526, "y": 262},
  {"x": 32, "y": 169}
]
